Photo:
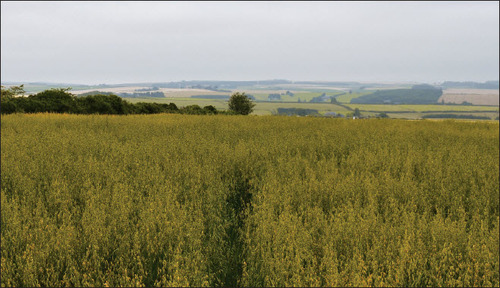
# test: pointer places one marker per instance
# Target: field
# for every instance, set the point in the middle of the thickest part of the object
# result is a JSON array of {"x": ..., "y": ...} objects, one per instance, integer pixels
[
  {"x": 485, "y": 100},
  {"x": 394, "y": 111},
  {"x": 418, "y": 111},
  {"x": 346, "y": 98},
  {"x": 183, "y": 200},
  {"x": 422, "y": 108},
  {"x": 169, "y": 92},
  {"x": 474, "y": 96}
]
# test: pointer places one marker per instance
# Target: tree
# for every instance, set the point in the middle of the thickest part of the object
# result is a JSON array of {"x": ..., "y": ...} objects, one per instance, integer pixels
[
  {"x": 9, "y": 93},
  {"x": 357, "y": 113},
  {"x": 57, "y": 100},
  {"x": 239, "y": 103}
]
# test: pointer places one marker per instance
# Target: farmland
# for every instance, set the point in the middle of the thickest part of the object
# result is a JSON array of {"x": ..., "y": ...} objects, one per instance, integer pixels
[
  {"x": 275, "y": 95},
  {"x": 474, "y": 96},
  {"x": 180, "y": 200},
  {"x": 394, "y": 111}
]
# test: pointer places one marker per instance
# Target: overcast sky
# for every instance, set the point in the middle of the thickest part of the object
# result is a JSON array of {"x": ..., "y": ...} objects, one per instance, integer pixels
[{"x": 121, "y": 42}]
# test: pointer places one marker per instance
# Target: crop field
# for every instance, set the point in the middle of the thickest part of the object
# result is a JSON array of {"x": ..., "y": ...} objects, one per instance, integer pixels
[
  {"x": 474, "y": 96},
  {"x": 422, "y": 108},
  {"x": 449, "y": 108},
  {"x": 268, "y": 108},
  {"x": 346, "y": 98},
  {"x": 303, "y": 96},
  {"x": 184, "y": 200}
]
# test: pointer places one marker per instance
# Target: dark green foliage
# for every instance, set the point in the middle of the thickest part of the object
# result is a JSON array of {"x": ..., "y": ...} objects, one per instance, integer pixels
[
  {"x": 193, "y": 109},
  {"x": 147, "y": 108},
  {"x": 57, "y": 100},
  {"x": 382, "y": 115},
  {"x": 419, "y": 94},
  {"x": 210, "y": 109},
  {"x": 241, "y": 104},
  {"x": 357, "y": 113},
  {"x": 103, "y": 104},
  {"x": 153, "y": 108},
  {"x": 274, "y": 96}
]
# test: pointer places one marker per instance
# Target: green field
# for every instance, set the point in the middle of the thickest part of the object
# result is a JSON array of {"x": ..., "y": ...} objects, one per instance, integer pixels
[
  {"x": 256, "y": 201},
  {"x": 346, "y": 98}
]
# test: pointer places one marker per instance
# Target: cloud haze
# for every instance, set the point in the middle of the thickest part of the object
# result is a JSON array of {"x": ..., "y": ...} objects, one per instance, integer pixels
[{"x": 119, "y": 42}]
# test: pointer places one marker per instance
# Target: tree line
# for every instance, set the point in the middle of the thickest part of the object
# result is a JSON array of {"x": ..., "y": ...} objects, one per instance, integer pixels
[{"x": 60, "y": 100}]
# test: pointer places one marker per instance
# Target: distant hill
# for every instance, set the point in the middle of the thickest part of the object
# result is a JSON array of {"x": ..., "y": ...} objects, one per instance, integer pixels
[
  {"x": 418, "y": 94},
  {"x": 471, "y": 85}
]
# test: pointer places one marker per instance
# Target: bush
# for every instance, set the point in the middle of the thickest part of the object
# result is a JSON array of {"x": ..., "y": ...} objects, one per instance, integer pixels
[
  {"x": 8, "y": 107},
  {"x": 382, "y": 115},
  {"x": 210, "y": 109},
  {"x": 193, "y": 110}
]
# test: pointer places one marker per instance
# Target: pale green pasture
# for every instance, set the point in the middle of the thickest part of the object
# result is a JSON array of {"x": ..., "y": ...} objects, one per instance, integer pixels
[{"x": 346, "y": 98}]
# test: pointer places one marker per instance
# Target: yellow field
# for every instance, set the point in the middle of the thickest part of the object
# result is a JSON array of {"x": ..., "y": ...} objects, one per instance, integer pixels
[{"x": 257, "y": 201}]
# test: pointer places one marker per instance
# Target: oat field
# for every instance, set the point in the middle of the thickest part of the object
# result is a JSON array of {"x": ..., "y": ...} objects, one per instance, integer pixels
[{"x": 184, "y": 200}]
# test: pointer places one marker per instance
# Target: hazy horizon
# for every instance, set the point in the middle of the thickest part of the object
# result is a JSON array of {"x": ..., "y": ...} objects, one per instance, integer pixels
[{"x": 145, "y": 42}]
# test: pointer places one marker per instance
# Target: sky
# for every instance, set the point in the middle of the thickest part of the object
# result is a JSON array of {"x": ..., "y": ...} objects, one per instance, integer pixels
[{"x": 132, "y": 42}]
